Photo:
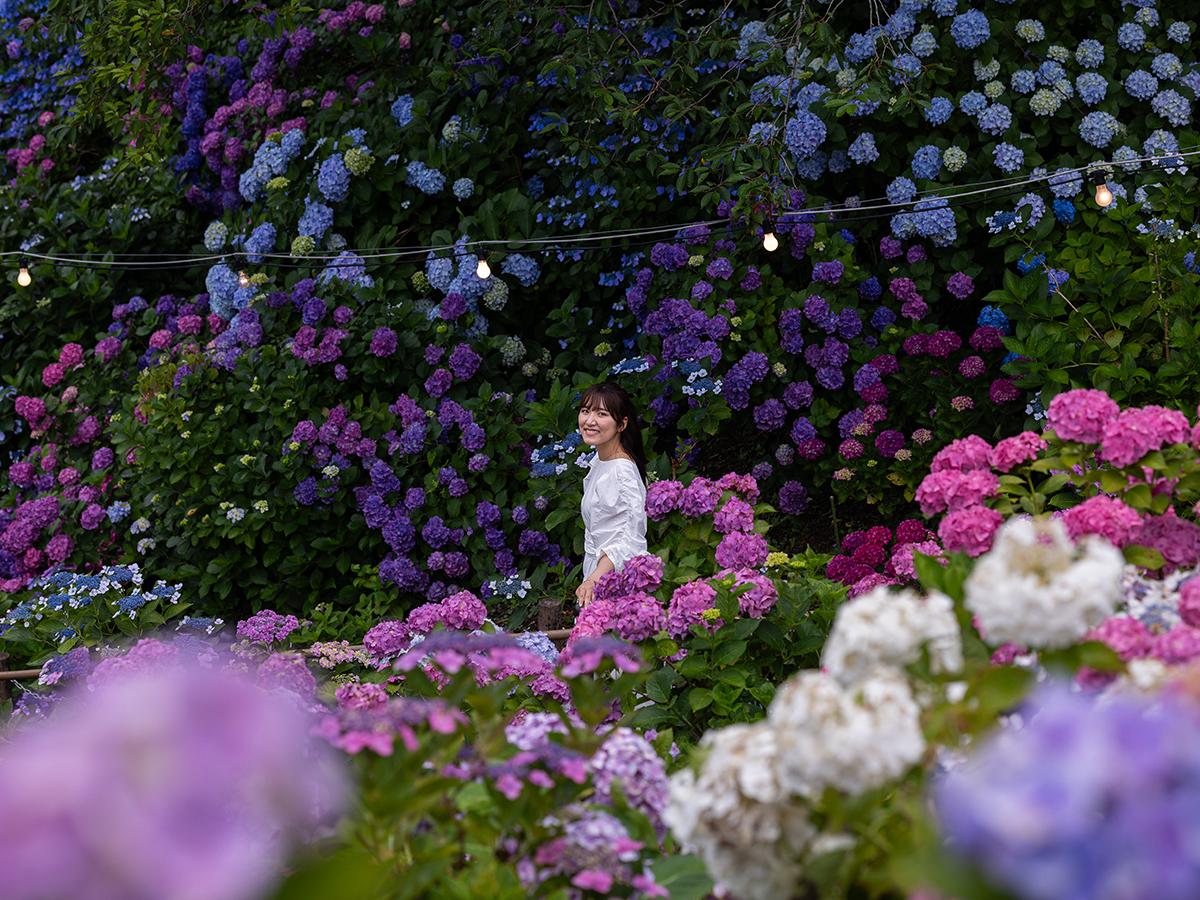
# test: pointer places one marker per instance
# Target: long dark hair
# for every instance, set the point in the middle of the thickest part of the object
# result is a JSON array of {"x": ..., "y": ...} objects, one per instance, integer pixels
[{"x": 615, "y": 399}]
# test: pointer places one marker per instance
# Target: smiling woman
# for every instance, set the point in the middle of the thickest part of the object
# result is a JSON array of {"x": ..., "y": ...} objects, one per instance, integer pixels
[{"x": 614, "y": 490}]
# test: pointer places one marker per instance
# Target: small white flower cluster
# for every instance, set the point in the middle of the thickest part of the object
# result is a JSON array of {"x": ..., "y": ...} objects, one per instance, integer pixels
[
  {"x": 510, "y": 587},
  {"x": 1038, "y": 589},
  {"x": 853, "y": 726}
]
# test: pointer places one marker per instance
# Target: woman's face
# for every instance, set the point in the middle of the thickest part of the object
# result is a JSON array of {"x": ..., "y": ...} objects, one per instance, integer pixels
[{"x": 598, "y": 427}]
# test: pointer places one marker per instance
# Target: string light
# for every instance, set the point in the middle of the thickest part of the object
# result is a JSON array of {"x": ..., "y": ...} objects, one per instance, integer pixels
[
  {"x": 24, "y": 279},
  {"x": 1104, "y": 196},
  {"x": 243, "y": 279},
  {"x": 483, "y": 270},
  {"x": 770, "y": 242}
]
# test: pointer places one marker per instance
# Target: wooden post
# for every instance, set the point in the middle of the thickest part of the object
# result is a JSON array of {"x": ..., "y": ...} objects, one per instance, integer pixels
[
  {"x": 5, "y": 687},
  {"x": 550, "y": 614}
]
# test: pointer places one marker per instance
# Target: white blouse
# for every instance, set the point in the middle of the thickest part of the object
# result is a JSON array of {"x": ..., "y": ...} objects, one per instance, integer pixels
[{"x": 614, "y": 513}]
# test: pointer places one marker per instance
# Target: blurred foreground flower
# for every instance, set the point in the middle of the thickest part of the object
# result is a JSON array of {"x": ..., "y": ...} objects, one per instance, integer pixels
[
  {"x": 1084, "y": 801},
  {"x": 184, "y": 786}
]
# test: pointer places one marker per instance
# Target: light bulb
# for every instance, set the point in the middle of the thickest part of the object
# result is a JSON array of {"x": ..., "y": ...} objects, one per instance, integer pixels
[
  {"x": 483, "y": 270},
  {"x": 770, "y": 242},
  {"x": 24, "y": 279},
  {"x": 243, "y": 279},
  {"x": 1103, "y": 195}
]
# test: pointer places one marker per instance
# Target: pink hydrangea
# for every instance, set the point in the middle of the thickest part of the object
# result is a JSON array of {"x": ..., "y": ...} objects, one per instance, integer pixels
[
  {"x": 161, "y": 339},
  {"x": 902, "y": 558},
  {"x": 637, "y": 617},
  {"x": 867, "y": 584},
  {"x": 662, "y": 497},
  {"x": 1108, "y": 517},
  {"x": 53, "y": 374},
  {"x": 387, "y": 639},
  {"x": 688, "y": 603},
  {"x": 1127, "y": 636},
  {"x": 1080, "y": 415},
  {"x": 108, "y": 348},
  {"x": 699, "y": 498},
  {"x": 1179, "y": 645},
  {"x": 760, "y": 598},
  {"x": 92, "y": 516},
  {"x": 745, "y": 485},
  {"x": 1189, "y": 601},
  {"x": 1016, "y": 450},
  {"x": 970, "y": 530},
  {"x": 964, "y": 454},
  {"x": 361, "y": 695},
  {"x": 595, "y": 619},
  {"x": 190, "y": 324},
  {"x": 734, "y": 515},
  {"x": 952, "y": 490},
  {"x": 59, "y": 547},
  {"x": 739, "y": 550},
  {"x": 425, "y": 618},
  {"x": 463, "y": 611},
  {"x": 71, "y": 355},
  {"x": 1178, "y": 540}
]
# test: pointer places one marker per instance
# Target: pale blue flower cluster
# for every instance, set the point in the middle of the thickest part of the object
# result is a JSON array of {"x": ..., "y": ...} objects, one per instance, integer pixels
[
  {"x": 1173, "y": 107},
  {"x": 1065, "y": 183},
  {"x": 970, "y": 29},
  {"x": 524, "y": 268},
  {"x": 1140, "y": 84},
  {"x": 1092, "y": 87},
  {"x": 1131, "y": 36},
  {"x": 1098, "y": 128},
  {"x": 316, "y": 219},
  {"x": 333, "y": 178},
  {"x": 402, "y": 110},
  {"x": 863, "y": 150},
  {"x": 938, "y": 111},
  {"x": 215, "y": 236},
  {"x": 424, "y": 178},
  {"x": 1090, "y": 53},
  {"x": 927, "y": 162},
  {"x": 1008, "y": 158}
]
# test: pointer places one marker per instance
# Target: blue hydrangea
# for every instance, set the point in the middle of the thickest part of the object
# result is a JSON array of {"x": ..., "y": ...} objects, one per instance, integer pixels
[
  {"x": 927, "y": 162},
  {"x": 221, "y": 283},
  {"x": 1064, "y": 210},
  {"x": 333, "y": 179},
  {"x": 812, "y": 168},
  {"x": 972, "y": 103},
  {"x": 1125, "y": 153},
  {"x": 944, "y": 8},
  {"x": 1030, "y": 31},
  {"x": 1161, "y": 144},
  {"x": 118, "y": 511},
  {"x": 402, "y": 110},
  {"x": 1065, "y": 183},
  {"x": 938, "y": 111},
  {"x": 1008, "y": 158},
  {"x": 252, "y": 182},
  {"x": 1131, "y": 36},
  {"x": 904, "y": 68},
  {"x": 1173, "y": 107},
  {"x": 292, "y": 144},
  {"x": 270, "y": 157},
  {"x": 901, "y": 190},
  {"x": 1024, "y": 81},
  {"x": 440, "y": 271},
  {"x": 839, "y": 161},
  {"x": 1147, "y": 16},
  {"x": 260, "y": 242},
  {"x": 803, "y": 134},
  {"x": 1025, "y": 264},
  {"x": 924, "y": 44},
  {"x": 1179, "y": 32},
  {"x": 1141, "y": 85},
  {"x": 1050, "y": 72},
  {"x": 1089, "y": 53},
  {"x": 970, "y": 29},
  {"x": 1098, "y": 128},
  {"x": 215, "y": 236},
  {"x": 933, "y": 219},
  {"x": 995, "y": 119},
  {"x": 901, "y": 24},
  {"x": 860, "y": 48},
  {"x": 424, "y": 178},
  {"x": 1166, "y": 66},
  {"x": 316, "y": 220},
  {"x": 1092, "y": 87},
  {"x": 524, "y": 268},
  {"x": 991, "y": 317},
  {"x": 463, "y": 188},
  {"x": 348, "y": 266},
  {"x": 1037, "y": 208}
]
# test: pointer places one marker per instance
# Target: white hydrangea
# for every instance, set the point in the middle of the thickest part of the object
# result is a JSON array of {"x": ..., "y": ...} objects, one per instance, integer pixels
[
  {"x": 853, "y": 739},
  {"x": 737, "y": 815},
  {"x": 1035, "y": 588},
  {"x": 885, "y": 628}
]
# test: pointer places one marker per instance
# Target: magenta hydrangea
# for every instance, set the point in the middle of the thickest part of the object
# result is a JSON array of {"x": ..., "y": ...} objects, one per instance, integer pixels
[
  {"x": 952, "y": 490},
  {"x": 741, "y": 550},
  {"x": 735, "y": 514},
  {"x": 638, "y": 617},
  {"x": 687, "y": 606},
  {"x": 1108, "y": 517},
  {"x": 289, "y": 672},
  {"x": 1189, "y": 601},
  {"x": 463, "y": 611},
  {"x": 963, "y": 454},
  {"x": 1178, "y": 540},
  {"x": 1081, "y": 414},
  {"x": 267, "y": 627},
  {"x": 970, "y": 530},
  {"x": 1016, "y": 451},
  {"x": 662, "y": 498},
  {"x": 1127, "y": 636},
  {"x": 756, "y": 600},
  {"x": 1135, "y": 431}
]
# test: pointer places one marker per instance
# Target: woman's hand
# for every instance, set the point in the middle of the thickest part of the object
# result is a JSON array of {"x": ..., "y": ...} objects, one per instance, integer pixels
[{"x": 585, "y": 592}]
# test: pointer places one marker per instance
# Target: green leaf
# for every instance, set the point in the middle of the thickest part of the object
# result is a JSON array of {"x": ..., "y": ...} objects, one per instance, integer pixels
[
  {"x": 1146, "y": 557},
  {"x": 729, "y": 652},
  {"x": 699, "y": 698}
]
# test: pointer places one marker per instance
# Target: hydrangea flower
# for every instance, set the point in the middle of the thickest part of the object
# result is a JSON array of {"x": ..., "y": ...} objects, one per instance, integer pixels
[
  {"x": 1140, "y": 84},
  {"x": 1008, "y": 158},
  {"x": 1092, "y": 87},
  {"x": 1098, "y": 128},
  {"x": 970, "y": 29},
  {"x": 927, "y": 162},
  {"x": 938, "y": 111},
  {"x": 863, "y": 149}
]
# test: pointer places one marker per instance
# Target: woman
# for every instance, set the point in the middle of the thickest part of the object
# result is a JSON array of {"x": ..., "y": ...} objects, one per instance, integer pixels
[{"x": 614, "y": 491}]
